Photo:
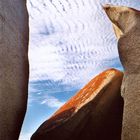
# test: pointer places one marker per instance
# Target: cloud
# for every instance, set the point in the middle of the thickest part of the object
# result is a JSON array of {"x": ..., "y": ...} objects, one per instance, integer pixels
[
  {"x": 52, "y": 102},
  {"x": 40, "y": 94},
  {"x": 46, "y": 63},
  {"x": 25, "y": 136},
  {"x": 70, "y": 45}
]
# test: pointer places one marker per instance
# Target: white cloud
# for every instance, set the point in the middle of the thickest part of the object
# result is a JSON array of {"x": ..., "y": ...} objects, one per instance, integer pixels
[
  {"x": 40, "y": 95},
  {"x": 52, "y": 102},
  {"x": 45, "y": 63},
  {"x": 68, "y": 44},
  {"x": 69, "y": 40},
  {"x": 25, "y": 136}
]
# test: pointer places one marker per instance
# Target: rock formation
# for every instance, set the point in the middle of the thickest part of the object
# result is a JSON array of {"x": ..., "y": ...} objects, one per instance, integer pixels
[
  {"x": 13, "y": 67},
  {"x": 94, "y": 113},
  {"x": 127, "y": 27}
]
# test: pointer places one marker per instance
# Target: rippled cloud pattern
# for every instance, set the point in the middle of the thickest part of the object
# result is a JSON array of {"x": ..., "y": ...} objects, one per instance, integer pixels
[{"x": 71, "y": 41}]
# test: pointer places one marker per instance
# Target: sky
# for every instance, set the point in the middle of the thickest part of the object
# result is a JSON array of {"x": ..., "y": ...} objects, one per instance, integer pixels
[{"x": 71, "y": 41}]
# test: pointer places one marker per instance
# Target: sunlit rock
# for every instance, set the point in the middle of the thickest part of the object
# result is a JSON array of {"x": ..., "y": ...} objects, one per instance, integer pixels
[
  {"x": 94, "y": 113},
  {"x": 13, "y": 67},
  {"x": 127, "y": 20}
]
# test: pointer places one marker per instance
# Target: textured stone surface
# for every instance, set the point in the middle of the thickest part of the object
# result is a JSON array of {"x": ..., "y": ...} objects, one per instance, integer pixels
[
  {"x": 13, "y": 67},
  {"x": 127, "y": 20},
  {"x": 95, "y": 112}
]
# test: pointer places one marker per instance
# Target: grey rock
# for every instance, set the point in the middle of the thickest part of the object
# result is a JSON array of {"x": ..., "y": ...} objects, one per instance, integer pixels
[
  {"x": 126, "y": 22},
  {"x": 13, "y": 67}
]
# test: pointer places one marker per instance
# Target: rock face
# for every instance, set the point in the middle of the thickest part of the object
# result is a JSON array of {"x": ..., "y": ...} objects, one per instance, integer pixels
[
  {"x": 127, "y": 22},
  {"x": 95, "y": 112},
  {"x": 13, "y": 67}
]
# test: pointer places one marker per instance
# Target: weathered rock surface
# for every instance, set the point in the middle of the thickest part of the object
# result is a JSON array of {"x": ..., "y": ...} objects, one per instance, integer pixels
[
  {"x": 94, "y": 113},
  {"x": 127, "y": 21},
  {"x": 13, "y": 67}
]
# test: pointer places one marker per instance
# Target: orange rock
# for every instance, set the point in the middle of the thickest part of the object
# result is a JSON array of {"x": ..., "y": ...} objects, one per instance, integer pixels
[{"x": 94, "y": 113}]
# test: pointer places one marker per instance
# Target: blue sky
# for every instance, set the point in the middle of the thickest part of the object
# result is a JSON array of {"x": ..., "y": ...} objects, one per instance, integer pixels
[{"x": 71, "y": 41}]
